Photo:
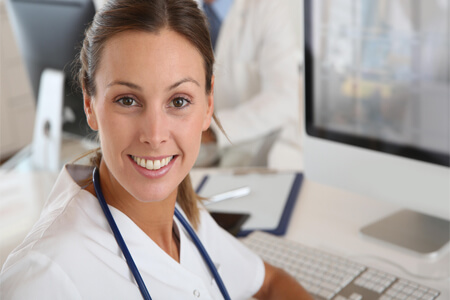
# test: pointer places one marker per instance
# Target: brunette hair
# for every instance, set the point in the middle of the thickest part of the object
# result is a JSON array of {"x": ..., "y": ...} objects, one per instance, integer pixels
[{"x": 181, "y": 16}]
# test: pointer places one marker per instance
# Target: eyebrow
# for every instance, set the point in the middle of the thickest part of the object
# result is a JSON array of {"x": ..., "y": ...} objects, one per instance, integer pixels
[
  {"x": 137, "y": 87},
  {"x": 125, "y": 83},
  {"x": 180, "y": 82}
]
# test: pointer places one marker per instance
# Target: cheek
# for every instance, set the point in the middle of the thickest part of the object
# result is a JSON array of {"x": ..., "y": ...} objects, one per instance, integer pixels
[
  {"x": 113, "y": 131},
  {"x": 191, "y": 132}
]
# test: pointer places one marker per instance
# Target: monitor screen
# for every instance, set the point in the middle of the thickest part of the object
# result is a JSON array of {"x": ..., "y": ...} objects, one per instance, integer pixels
[
  {"x": 49, "y": 34},
  {"x": 377, "y": 105},
  {"x": 377, "y": 76}
]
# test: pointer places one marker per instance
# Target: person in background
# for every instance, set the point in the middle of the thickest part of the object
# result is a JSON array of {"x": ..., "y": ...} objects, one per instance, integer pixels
[
  {"x": 135, "y": 227},
  {"x": 256, "y": 85}
]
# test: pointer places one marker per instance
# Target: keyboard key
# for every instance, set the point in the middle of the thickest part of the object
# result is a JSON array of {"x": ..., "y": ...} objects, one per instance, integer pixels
[
  {"x": 356, "y": 296},
  {"x": 326, "y": 294}
]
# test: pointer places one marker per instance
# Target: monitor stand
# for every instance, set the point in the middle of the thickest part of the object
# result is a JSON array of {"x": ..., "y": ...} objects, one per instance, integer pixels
[
  {"x": 46, "y": 145},
  {"x": 421, "y": 233}
]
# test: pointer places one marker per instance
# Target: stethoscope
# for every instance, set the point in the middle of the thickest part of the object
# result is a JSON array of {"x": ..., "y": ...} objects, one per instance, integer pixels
[{"x": 129, "y": 258}]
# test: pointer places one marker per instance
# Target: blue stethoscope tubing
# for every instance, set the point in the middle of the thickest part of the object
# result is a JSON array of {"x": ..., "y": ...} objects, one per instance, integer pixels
[{"x": 123, "y": 246}]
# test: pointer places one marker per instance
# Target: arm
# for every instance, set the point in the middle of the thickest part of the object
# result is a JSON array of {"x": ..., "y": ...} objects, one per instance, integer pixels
[{"x": 280, "y": 285}]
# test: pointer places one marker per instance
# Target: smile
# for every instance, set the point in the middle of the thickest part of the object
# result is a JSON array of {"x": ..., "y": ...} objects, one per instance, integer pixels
[{"x": 152, "y": 164}]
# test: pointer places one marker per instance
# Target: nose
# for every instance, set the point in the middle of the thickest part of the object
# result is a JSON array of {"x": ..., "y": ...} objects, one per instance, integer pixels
[{"x": 154, "y": 128}]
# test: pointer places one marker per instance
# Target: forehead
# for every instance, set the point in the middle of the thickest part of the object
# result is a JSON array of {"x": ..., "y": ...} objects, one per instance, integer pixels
[{"x": 140, "y": 56}]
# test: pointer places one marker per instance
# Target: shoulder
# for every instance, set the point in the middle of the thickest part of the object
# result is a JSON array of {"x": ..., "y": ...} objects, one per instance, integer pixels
[
  {"x": 63, "y": 210},
  {"x": 36, "y": 273},
  {"x": 267, "y": 19},
  {"x": 58, "y": 243},
  {"x": 38, "y": 264},
  {"x": 266, "y": 7},
  {"x": 57, "y": 233}
]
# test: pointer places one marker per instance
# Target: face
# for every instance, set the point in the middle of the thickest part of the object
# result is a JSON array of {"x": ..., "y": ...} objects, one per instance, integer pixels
[{"x": 150, "y": 110}]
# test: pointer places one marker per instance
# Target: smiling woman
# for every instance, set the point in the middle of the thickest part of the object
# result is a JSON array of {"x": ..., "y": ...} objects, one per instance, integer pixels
[
  {"x": 150, "y": 108},
  {"x": 146, "y": 74}
]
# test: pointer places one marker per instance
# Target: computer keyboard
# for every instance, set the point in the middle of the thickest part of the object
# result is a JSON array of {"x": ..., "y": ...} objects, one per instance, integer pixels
[{"x": 328, "y": 276}]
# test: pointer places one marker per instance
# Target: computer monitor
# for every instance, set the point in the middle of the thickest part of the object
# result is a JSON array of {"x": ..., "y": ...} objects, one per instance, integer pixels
[
  {"x": 49, "y": 34},
  {"x": 377, "y": 110}
]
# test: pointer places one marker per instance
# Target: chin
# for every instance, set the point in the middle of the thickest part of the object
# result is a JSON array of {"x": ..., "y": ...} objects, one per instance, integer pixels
[{"x": 152, "y": 195}]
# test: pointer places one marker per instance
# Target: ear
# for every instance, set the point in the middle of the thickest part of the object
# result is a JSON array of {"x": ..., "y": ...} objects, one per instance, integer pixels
[
  {"x": 210, "y": 108},
  {"x": 89, "y": 111}
]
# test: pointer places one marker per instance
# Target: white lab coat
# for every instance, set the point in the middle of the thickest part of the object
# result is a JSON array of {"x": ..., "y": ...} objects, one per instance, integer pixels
[
  {"x": 257, "y": 76},
  {"x": 71, "y": 253}
]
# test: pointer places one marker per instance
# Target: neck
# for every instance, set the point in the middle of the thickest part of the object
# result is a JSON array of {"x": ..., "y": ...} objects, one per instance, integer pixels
[{"x": 154, "y": 218}]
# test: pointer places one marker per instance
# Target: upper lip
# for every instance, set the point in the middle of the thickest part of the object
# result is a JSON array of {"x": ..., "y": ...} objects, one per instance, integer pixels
[{"x": 152, "y": 157}]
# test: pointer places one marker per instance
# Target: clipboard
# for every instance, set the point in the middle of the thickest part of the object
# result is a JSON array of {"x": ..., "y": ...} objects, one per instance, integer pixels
[{"x": 270, "y": 202}]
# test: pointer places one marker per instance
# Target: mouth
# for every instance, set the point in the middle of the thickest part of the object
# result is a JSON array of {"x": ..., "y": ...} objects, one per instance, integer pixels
[{"x": 152, "y": 165}]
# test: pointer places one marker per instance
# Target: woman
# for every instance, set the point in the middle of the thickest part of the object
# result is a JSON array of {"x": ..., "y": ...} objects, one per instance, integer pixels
[{"x": 146, "y": 73}]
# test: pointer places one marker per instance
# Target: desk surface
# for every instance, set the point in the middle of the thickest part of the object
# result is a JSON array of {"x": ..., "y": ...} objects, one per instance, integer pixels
[
  {"x": 329, "y": 219},
  {"x": 325, "y": 218}
]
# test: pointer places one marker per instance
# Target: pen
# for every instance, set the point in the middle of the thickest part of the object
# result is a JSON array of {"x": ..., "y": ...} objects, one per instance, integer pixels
[{"x": 236, "y": 193}]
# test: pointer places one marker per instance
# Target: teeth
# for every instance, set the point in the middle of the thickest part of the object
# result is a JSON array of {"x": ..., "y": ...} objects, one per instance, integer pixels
[
  {"x": 152, "y": 164},
  {"x": 157, "y": 164},
  {"x": 149, "y": 165}
]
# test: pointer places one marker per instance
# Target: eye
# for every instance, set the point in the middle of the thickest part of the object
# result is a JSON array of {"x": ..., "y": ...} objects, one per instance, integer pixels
[
  {"x": 179, "y": 102},
  {"x": 127, "y": 101}
]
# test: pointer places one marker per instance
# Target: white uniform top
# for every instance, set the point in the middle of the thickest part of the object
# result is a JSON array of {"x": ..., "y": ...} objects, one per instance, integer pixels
[
  {"x": 71, "y": 253},
  {"x": 257, "y": 76}
]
